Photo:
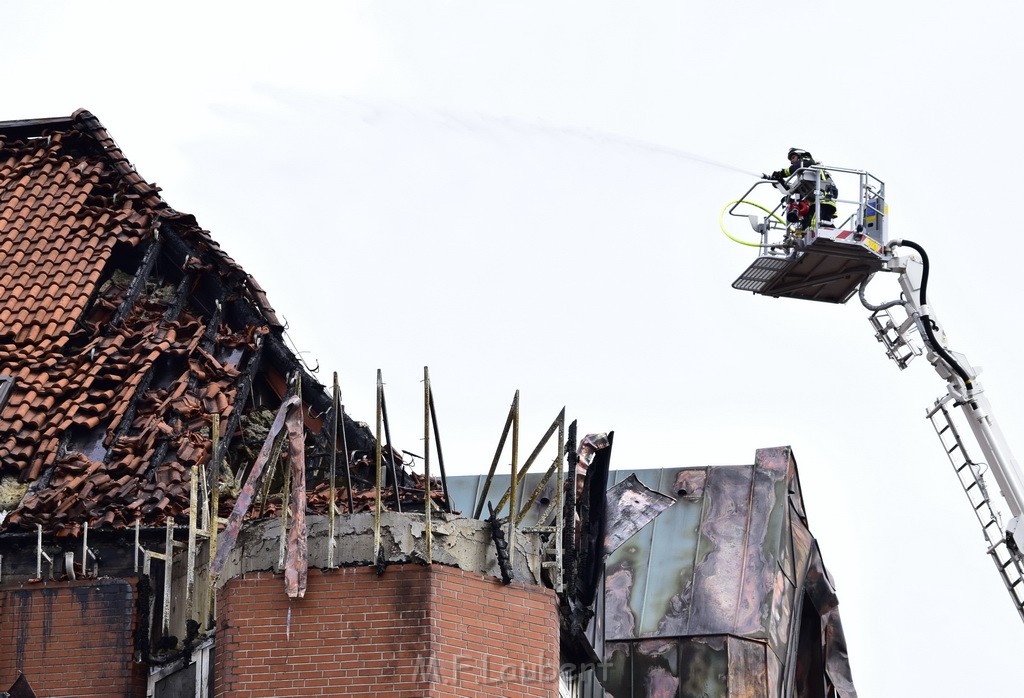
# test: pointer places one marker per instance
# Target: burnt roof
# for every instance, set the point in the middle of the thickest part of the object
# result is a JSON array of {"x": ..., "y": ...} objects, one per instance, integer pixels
[{"x": 123, "y": 327}]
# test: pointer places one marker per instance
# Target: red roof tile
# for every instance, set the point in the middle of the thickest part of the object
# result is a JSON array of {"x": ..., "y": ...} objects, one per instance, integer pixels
[{"x": 116, "y": 376}]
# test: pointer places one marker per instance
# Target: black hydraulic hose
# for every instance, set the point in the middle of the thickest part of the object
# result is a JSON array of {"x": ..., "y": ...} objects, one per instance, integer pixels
[
  {"x": 875, "y": 308},
  {"x": 924, "y": 264},
  {"x": 925, "y": 320}
]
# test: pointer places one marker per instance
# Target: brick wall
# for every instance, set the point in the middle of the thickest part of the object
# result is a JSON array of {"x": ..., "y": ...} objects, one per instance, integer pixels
[
  {"x": 493, "y": 640},
  {"x": 71, "y": 639},
  {"x": 417, "y": 631}
]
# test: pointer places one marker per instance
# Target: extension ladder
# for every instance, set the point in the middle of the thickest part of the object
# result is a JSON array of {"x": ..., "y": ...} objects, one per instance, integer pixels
[{"x": 1008, "y": 562}]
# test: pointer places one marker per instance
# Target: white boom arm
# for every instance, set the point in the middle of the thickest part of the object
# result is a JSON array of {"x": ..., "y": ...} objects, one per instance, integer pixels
[
  {"x": 969, "y": 398},
  {"x": 964, "y": 392}
]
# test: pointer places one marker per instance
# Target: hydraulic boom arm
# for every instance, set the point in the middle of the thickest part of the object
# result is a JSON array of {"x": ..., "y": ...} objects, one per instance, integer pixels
[{"x": 902, "y": 341}]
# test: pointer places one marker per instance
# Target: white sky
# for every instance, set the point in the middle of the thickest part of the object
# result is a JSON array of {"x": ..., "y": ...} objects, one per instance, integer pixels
[{"x": 524, "y": 195}]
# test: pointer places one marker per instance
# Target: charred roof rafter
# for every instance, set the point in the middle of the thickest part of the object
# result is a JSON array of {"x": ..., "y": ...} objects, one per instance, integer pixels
[
  {"x": 178, "y": 252},
  {"x": 6, "y": 383},
  {"x": 241, "y": 400},
  {"x": 180, "y": 299},
  {"x": 22, "y": 129},
  {"x": 159, "y": 457},
  {"x": 209, "y": 287},
  {"x": 125, "y": 258},
  {"x": 170, "y": 316},
  {"x": 129, "y": 414},
  {"x": 209, "y": 340},
  {"x": 138, "y": 282}
]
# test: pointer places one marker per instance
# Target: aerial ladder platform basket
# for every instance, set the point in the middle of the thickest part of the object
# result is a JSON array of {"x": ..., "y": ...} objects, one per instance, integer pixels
[
  {"x": 809, "y": 260},
  {"x": 818, "y": 262}
]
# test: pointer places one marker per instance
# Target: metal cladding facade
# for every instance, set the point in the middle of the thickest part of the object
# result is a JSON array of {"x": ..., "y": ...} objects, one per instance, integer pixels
[{"x": 724, "y": 595}]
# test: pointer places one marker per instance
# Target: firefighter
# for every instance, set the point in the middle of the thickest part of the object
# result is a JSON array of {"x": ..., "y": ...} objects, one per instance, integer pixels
[{"x": 800, "y": 209}]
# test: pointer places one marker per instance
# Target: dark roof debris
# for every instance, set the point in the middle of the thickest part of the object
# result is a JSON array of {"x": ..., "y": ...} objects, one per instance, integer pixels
[{"x": 123, "y": 327}]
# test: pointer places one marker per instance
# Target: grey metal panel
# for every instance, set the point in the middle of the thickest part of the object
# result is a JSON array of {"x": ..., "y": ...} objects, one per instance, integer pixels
[
  {"x": 639, "y": 595},
  {"x": 786, "y": 588},
  {"x": 783, "y": 593},
  {"x": 631, "y": 505},
  {"x": 674, "y": 556},
  {"x": 465, "y": 491},
  {"x": 616, "y": 673},
  {"x": 820, "y": 591},
  {"x": 711, "y": 554},
  {"x": 541, "y": 503},
  {"x": 778, "y": 542},
  {"x": 803, "y": 552},
  {"x": 786, "y": 562},
  {"x": 704, "y": 667},
  {"x": 621, "y": 619},
  {"x": 774, "y": 676},
  {"x": 764, "y": 532},
  {"x": 776, "y": 463},
  {"x": 796, "y": 496},
  {"x": 748, "y": 669},
  {"x": 656, "y": 668},
  {"x": 837, "y": 658},
  {"x": 627, "y": 570},
  {"x": 721, "y": 553},
  {"x": 802, "y": 544},
  {"x": 713, "y": 666}
]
